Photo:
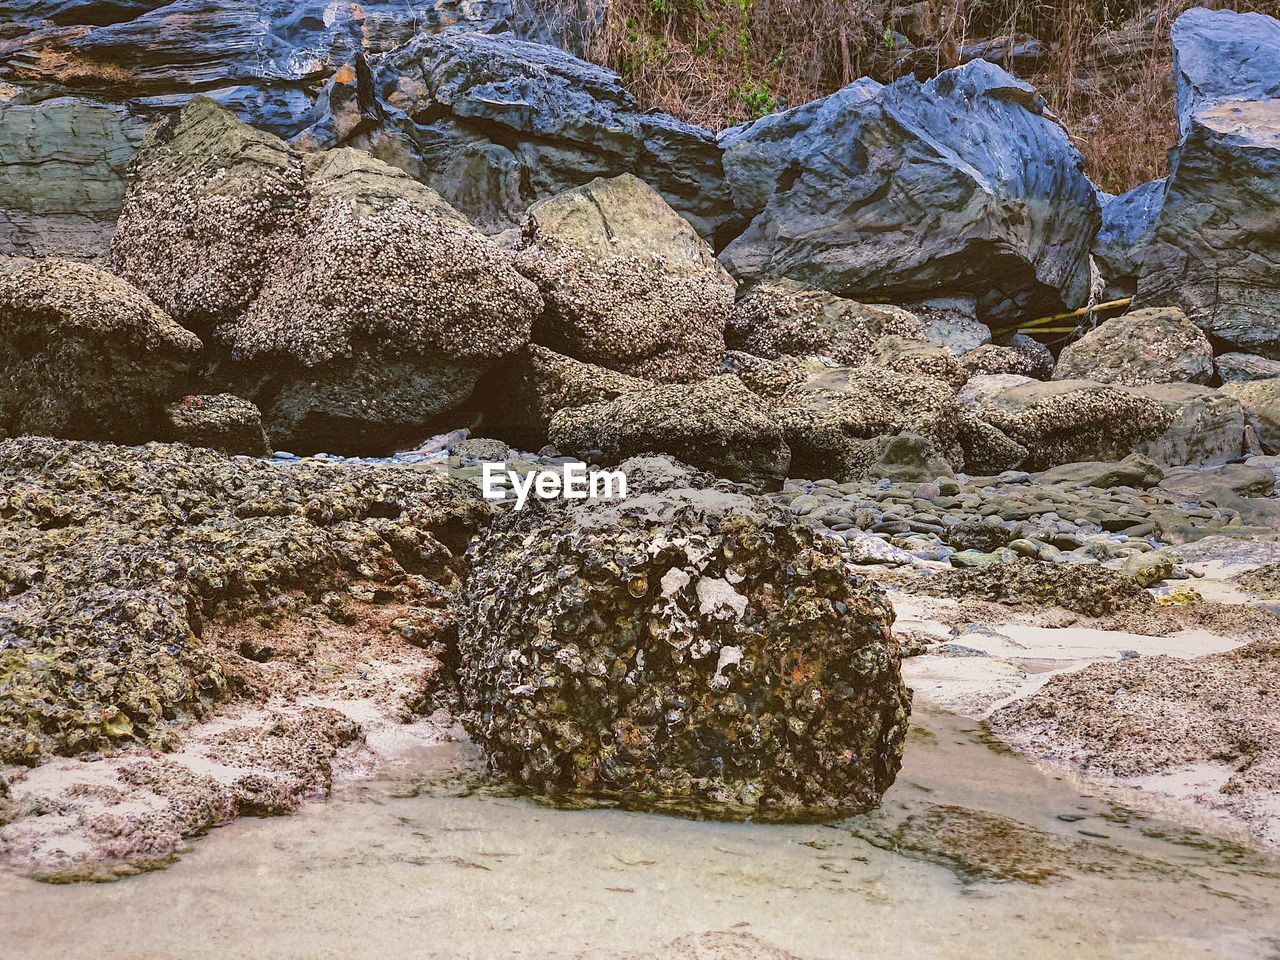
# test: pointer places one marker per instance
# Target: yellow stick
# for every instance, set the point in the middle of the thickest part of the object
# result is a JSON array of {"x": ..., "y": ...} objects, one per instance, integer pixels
[{"x": 1074, "y": 314}]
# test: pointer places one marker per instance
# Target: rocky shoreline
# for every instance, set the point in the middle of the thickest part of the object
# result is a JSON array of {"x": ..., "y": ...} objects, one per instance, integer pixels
[{"x": 862, "y": 469}]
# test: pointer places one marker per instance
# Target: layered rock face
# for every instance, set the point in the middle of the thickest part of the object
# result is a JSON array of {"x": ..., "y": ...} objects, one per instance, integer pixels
[
  {"x": 1214, "y": 250},
  {"x": 628, "y": 283},
  {"x": 1010, "y": 214},
  {"x": 83, "y": 355},
  {"x": 495, "y": 124},
  {"x": 605, "y": 654},
  {"x": 357, "y": 307}
]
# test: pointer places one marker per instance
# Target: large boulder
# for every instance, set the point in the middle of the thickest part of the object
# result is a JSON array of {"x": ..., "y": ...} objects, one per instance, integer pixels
[
  {"x": 783, "y": 318},
  {"x": 686, "y": 648},
  {"x": 1245, "y": 366},
  {"x": 1208, "y": 425},
  {"x": 962, "y": 184},
  {"x": 84, "y": 355},
  {"x": 1145, "y": 346},
  {"x": 1128, "y": 222},
  {"x": 357, "y": 306},
  {"x": 494, "y": 124},
  {"x": 223, "y": 422},
  {"x": 1067, "y": 421},
  {"x": 1261, "y": 402},
  {"x": 1215, "y": 251},
  {"x": 717, "y": 425},
  {"x": 629, "y": 284}
]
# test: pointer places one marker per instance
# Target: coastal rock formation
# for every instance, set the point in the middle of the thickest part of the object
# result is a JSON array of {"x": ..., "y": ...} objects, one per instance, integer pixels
[
  {"x": 116, "y": 560},
  {"x": 83, "y": 355},
  {"x": 750, "y": 675},
  {"x": 1142, "y": 347},
  {"x": 716, "y": 425},
  {"x": 358, "y": 307},
  {"x": 1245, "y": 366},
  {"x": 1208, "y": 425},
  {"x": 494, "y": 124},
  {"x": 837, "y": 208},
  {"x": 1128, "y": 221},
  {"x": 223, "y": 422},
  {"x": 1214, "y": 250},
  {"x": 1261, "y": 402},
  {"x": 629, "y": 284}
]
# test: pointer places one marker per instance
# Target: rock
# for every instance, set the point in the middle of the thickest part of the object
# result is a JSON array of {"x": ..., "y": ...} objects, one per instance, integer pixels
[
  {"x": 992, "y": 360},
  {"x": 1208, "y": 425},
  {"x": 83, "y": 355},
  {"x": 952, "y": 322},
  {"x": 1261, "y": 402},
  {"x": 62, "y": 170},
  {"x": 986, "y": 448},
  {"x": 116, "y": 560},
  {"x": 1238, "y": 478},
  {"x": 978, "y": 536},
  {"x": 908, "y": 457},
  {"x": 754, "y": 676},
  {"x": 837, "y": 207},
  {"x": 716, "y": 425},
  {"x": 629, "y": 285},
  {"x": 916, "y": 358},
  {"x": 1141, "y": 347},
  {"x": 223, "y": 422},
  {"x": 495, "y": 124},
  {"x": 780, "y": 317},
  {"x": 359, "y": 309},
  {"x": 1066, "y": 421},
  {"x": 1148, "y": 569},
  {"x": 1214, "y": 251},
  {"x": 1234, "y": 367},
  {"x": 983, "y": 385},
  {"x": 521, "y": 398},
  {"x": 1092, "y": 591},
  {"x": 1128, "y": 222},
  {"x": 1133, "y": 471}
]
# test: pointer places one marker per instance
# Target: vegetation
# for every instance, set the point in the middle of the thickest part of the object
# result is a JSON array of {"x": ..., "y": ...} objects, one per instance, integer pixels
[{"x": 1104, "y": 66}]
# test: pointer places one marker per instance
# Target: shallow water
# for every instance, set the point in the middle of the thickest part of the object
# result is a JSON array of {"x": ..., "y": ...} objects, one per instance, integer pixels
[{"x": 976, "y": 853}]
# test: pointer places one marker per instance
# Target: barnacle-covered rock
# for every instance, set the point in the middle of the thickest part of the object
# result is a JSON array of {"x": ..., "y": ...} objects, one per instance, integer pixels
[
  {"x": 222, "y": 422},
  {"x": 85, "y": 355},
  {"x": 629, "y": 283},
  {"x": 688, "y": 647},
  {"x": 717, "y": 425},
  {"x": 358, "y": 306},
  {"x": 1156, "y": 345},
  {"x": 920, "y": 359},
  {"x": 781, "y": 317},
  {"x": 113, "y": 559},
  {"x": 1067, "y": 421},
  {"x": 1092, "y": 591},
  {"x": 992, "y": 359}
]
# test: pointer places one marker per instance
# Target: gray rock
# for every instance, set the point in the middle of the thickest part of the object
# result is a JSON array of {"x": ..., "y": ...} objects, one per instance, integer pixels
[
  {"x": 1011, "y": 225},
  {"x": 1133, "y": 471},
  {"x": 909, "y": 457},
  {"x": 1238, "y": 478},
  {"x": 921, "y": 359},
  {"x": 1128, "y": 222},
  {"x": 1234, "y": 367},
  {"x": 1261, "y": 401},
  {"x": 1208, "y": 425},
  {"x": 1142, "y": 347},
  {"x": 494, "y": 124},
  {"x": 1220, "y": 56},
  {"x": 952, "y": 322},
  {"x": 983, "y": 385}
]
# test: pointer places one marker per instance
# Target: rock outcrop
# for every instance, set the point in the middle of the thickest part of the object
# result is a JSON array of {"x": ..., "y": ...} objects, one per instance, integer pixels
[
  {"x": 1214, "y": 251},
  {"x": 1009, "y": 215},
  {"x": 1128, "y": 222},
  {"x": 1208, "y": 425},
  {"x": 494, "y": 124},
  {"x": 716, "y": 425},
  {"x": 1261, "y": 402},
  {"x": 357, "y": 307},
  {"x": 83, "y": 355},
  {"x": 223, "y": 422},
  {"x": 628, "y": 283},
  {"x": 1142, "y": 347},
  {"x": 754, "y": 675},
  {"x": 1245, "y": 366}
]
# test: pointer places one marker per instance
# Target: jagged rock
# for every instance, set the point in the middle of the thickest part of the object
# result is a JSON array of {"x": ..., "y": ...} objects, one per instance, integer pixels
[
  {"x": 359, "y": 306},
  {"x": 779, "y": 318},
  {"x": 223, "y": 422},
  {"x": 917, "y": 358},
  {"x": 754, "y": 675},
  {"x": 987, "y": 449},
  {"x": 1142, "y": 347},
  {"x": 494, "y": 124},
  {"x": 1092, "y": 591},
  {"x": 838, "y": 207},
  {"x": 629, "y": 284},
  {"x": 995, "y": 360},
  {"x": 1128, "y": 222},
  {"x": 1208, "y": 425},
  {"x": 1065, "y": 421},
  {"x": 84, "y": 355},
  {"x": 62, "y": 169},
  {"x": 1261, "y": 402},
  {"x": 716, "y": 425},
  {"x": 521, "y": 397},
  {"x": 1215, "y": 252},
  {"x": 114, "y": 559},
  {"x": 1233, "y": 367}
]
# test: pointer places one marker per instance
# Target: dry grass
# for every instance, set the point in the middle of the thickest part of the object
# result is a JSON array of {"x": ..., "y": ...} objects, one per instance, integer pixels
[{"x": 1106, "y": 69}]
